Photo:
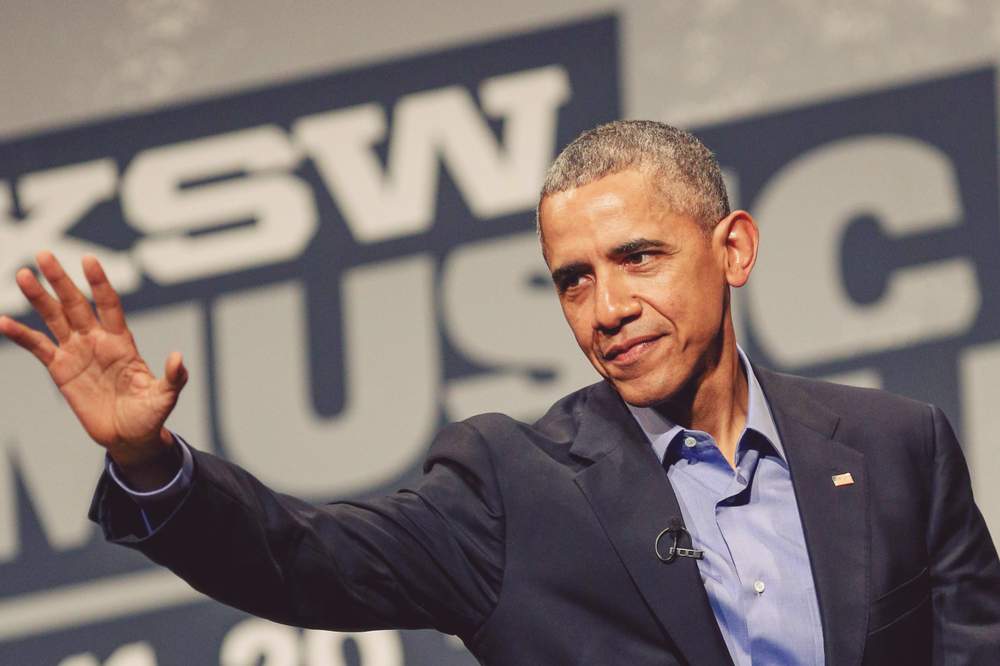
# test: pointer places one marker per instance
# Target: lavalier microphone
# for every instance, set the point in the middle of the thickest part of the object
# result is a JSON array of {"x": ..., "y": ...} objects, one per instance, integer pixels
[{"x": 675, "y": 528}]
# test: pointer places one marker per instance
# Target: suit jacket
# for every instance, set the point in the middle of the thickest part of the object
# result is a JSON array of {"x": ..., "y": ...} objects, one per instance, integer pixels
[{"x": 534, "y": 543}]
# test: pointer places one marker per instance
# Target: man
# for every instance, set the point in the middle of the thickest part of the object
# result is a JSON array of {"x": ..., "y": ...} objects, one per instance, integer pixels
[{"x": 827, "y": 524}]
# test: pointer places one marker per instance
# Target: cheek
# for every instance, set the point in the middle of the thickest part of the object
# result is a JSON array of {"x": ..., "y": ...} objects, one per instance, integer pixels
[
  {"x": 691, "y": 310},
  {"x": 704, "y": 310},
  {"x": 579, "y": 324},
  {"x": 666, "y": 303}
]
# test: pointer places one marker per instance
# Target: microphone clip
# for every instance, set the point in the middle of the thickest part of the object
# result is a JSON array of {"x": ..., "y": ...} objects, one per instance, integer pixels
[{"x": 676, "y": 530}]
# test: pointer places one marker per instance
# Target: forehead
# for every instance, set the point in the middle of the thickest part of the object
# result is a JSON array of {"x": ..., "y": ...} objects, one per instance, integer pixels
[{"x": 604, "y": 214}]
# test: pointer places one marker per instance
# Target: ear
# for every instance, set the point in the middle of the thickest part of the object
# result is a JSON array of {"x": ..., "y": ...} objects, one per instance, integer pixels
[{"x": 736, "y": 237}]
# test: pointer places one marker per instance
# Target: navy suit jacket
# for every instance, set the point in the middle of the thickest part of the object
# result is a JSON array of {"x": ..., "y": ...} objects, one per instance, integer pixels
[{"x": 534, "y": 543}]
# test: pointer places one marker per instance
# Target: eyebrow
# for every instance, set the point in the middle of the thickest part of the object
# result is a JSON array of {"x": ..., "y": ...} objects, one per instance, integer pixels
[{"x": 634, "y": 245}]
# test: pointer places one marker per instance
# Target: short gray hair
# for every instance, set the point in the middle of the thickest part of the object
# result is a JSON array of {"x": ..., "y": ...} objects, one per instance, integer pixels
[{"x": 684, "y": 169}]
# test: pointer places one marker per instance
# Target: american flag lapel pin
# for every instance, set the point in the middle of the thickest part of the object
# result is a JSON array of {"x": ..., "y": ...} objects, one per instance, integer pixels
[{"x": 844, "y": 479}]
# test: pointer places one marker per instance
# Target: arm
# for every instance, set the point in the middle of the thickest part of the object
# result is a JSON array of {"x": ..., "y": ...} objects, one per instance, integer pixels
[
  {"x": 965, "y": 572},
  {"x": 430, "y": 556},
  {"x": 427, "y": 557}
]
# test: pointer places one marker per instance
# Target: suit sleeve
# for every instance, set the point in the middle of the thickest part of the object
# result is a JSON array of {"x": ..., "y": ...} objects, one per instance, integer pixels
[
  {"x": 426, "y": 557},
  {"x": 965, "y": 572}
]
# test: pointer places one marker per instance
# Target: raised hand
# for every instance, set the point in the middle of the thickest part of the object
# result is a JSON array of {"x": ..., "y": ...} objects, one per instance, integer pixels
[{"x": 96, "y": 365}]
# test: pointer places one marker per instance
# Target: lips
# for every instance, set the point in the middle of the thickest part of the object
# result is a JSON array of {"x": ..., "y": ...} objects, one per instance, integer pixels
[{"x": 624, "y": 351}]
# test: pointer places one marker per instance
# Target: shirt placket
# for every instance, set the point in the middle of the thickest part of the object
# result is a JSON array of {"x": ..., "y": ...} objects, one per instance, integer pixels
[
  {"x": 726, "y": 485},
  {"x": 745, "y": 558}
]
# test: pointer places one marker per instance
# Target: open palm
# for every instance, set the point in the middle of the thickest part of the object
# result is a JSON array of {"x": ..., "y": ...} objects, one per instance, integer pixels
[{"x": 95, "y": 362}]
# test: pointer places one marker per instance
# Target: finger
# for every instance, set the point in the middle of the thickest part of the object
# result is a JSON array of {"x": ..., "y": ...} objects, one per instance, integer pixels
[
  {"x": 74, "y": 304},
  {"x": 175, "y": 374},
  {"x": 109, "y": 306},
  {"x": 34, "y": 341},
  {"x": 47, "y": 307}
]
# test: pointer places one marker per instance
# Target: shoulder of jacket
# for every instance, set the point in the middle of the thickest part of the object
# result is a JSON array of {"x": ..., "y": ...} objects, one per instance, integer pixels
[
  {"x": 559, "y": 422},
  {"x": 868, "y": 408}
]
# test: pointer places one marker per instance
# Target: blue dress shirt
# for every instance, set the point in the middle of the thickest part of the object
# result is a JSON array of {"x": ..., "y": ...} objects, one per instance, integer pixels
[{"x": 755, "y": 568}]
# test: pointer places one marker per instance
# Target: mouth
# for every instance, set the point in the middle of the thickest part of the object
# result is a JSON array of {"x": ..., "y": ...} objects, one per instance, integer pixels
[{"x": 629, "y": 351}]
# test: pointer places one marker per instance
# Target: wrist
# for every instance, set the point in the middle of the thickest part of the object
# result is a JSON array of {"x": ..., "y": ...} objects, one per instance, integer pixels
[{"x": 149, "y": 467}]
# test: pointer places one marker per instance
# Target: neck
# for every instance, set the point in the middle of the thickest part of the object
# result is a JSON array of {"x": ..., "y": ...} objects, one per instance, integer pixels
[{"x": 715, "y": 400}]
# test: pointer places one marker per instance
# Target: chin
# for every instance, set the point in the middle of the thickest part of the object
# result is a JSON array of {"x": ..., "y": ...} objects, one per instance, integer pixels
[{"x": 640, "y": 395}]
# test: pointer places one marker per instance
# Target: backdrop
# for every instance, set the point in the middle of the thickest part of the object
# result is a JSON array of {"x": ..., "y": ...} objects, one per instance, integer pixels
[{"x": 329, "y": 210}]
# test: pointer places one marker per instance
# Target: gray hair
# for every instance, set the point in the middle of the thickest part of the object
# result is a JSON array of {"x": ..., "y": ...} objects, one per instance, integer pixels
[{"x": 683, "y": 168}]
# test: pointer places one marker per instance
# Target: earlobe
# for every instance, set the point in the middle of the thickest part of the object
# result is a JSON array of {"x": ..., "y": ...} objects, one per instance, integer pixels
[{"x": 741, "y": 239}]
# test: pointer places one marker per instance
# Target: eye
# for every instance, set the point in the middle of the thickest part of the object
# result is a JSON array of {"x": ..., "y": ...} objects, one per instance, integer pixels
[
  {"x": 568, "y": 283},
  {"x": 637, "y": 258}
]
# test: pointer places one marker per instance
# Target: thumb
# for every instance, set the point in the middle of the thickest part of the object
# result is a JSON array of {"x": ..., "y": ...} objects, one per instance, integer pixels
[{"x": 175, "y": 374}]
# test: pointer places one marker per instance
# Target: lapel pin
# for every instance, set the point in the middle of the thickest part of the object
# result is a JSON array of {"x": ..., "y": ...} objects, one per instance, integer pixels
[{"x": 844, "y": 479}]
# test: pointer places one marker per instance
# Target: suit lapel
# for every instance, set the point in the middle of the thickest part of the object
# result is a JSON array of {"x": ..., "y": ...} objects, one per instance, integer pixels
[
  {"x": 633, "y": 501},
  {"x": 834, "y": 519}
]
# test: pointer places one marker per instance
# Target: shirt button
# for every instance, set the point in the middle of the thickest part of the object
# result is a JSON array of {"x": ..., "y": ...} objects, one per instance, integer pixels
[
  {"x": 758, "y": 586},
  {"x": 690, "y": 442}
]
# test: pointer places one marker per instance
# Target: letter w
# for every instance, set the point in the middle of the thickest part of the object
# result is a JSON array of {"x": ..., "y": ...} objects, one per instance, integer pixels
[{"x": 495, "y": 178}]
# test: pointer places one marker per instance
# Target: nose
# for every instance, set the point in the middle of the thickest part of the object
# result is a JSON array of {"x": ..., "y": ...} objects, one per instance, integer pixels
[{"x": 614, "y": 305}]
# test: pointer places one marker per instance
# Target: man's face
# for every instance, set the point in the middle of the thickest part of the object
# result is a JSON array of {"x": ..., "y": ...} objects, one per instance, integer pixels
[{"x": 642, "y": 288}]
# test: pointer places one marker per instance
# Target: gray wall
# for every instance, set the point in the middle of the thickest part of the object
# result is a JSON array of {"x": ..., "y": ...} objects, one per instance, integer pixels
[{"x": 688, "y": 63}]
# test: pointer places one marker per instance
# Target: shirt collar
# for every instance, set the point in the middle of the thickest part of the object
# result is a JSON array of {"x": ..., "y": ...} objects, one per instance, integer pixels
[{"x": 661, "y": 431}]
